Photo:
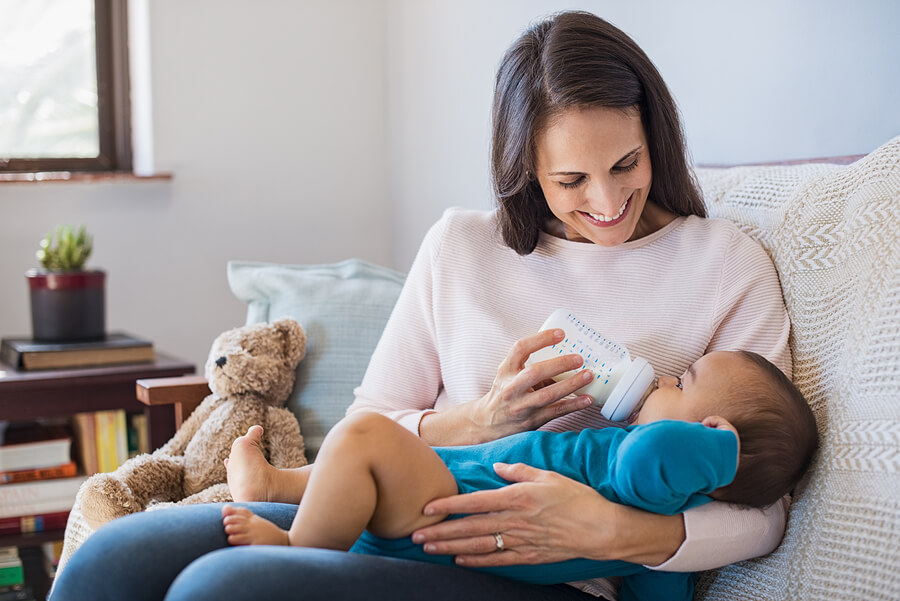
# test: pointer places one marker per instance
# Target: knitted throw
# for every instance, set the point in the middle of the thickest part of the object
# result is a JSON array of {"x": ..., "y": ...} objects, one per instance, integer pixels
[{"x": 833, "y": 233}]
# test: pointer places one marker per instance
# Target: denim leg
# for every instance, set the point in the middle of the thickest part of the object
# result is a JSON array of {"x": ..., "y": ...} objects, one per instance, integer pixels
[
  {"x": 137, "y": 557},
  {"x": 294, "y": 573},
  {"x": 183, "y": 552}
]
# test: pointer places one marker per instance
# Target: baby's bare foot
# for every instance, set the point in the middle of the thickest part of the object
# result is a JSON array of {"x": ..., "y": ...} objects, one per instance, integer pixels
[
  {"x": 248, "y": 471},
  {"x": 243, "y": 527}
]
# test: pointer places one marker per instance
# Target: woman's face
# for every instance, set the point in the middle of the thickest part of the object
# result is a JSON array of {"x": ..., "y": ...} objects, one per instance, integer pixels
[{"x": 593, "y": 165}]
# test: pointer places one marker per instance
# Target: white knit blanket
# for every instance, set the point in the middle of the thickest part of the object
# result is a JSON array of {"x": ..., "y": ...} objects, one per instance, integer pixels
[{"x": 833, "y": 233}]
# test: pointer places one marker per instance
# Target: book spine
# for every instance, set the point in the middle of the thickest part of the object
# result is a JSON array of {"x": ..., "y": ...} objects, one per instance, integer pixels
[
  {"x": 120, "y": 423},
  {"x": 34, "y": 523},
  {"x": 85, "y": 432},
  {"x": 9, "y": 355},
  {"x": 38, "y": 498},
  {"x": 12, "y": 574},
  {"x": 36, "y": 454},
  {"x": 104, "y": 423},
  {"x": 45, "y": 473},
  {"x": 139, "y": 422}
]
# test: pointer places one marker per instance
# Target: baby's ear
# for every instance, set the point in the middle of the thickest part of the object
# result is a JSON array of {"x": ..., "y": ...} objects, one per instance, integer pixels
[{"x": 718, "y": 422}]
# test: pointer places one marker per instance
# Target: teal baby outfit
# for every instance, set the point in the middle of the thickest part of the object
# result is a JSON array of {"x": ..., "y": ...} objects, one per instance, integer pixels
[{"x": 665, "y": 467}]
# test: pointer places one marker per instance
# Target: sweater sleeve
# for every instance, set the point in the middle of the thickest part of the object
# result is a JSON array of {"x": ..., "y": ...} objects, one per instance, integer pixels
[
  {"x": 717, "y": 534},
  {"x": 749, "y": 312},
  {"x": 403, "y": 378},
  {"x": 668, "y": 466}
]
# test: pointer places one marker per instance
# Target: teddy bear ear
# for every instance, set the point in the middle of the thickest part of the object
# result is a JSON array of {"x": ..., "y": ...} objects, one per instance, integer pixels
[{"x": 294, "y": 338}]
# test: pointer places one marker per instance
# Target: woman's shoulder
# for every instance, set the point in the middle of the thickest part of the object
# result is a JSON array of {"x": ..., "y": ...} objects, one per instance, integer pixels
[
  {"x": 462, "y": 219},
  {"x": 461, "y": 228},
  {"x": 720, "y": 232}
]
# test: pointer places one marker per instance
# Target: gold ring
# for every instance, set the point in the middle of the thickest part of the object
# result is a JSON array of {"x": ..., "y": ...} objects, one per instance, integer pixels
[{"x": 498, "y": 540}]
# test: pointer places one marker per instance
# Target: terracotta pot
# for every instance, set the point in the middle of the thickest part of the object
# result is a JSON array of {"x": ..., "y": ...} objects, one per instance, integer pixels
[{"x": 67, "y": 306}]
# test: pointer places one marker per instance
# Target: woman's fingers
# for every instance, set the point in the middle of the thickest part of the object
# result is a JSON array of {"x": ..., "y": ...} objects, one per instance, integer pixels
[
  {"x": 524, "y": 347},
  {"x": 483, "y": 501},
  {"x": 534, "y": 517}
]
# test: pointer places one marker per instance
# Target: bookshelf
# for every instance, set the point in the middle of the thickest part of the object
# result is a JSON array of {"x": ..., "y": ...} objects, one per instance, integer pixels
[{"x": 27, "y": 395}]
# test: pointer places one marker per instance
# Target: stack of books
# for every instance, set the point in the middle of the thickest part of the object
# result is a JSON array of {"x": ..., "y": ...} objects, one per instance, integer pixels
[
  {"x": 38, "y": 482},
  {"x": 12, "y": 577},
  {"x": 116, "y": 349},
  {"x": 12, "y": 574},
  {"x": 106, "y": 439}
]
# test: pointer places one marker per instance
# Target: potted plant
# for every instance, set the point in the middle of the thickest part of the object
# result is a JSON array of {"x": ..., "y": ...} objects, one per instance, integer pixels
[{"x": 67, "y": 301}]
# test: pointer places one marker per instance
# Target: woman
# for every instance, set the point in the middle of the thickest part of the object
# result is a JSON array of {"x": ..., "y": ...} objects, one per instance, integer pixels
[{"x": 598, "y": 213}]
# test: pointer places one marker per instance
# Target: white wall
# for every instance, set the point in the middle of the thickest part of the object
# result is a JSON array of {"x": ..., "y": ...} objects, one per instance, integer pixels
[
  {"x": 311, "y": 131},
  {"x": 270, "y": 114},
  {"x": 762, "y": 80}
]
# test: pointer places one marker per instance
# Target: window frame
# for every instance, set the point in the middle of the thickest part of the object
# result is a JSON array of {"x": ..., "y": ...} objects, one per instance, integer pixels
[{"x": 113, "y": 101}]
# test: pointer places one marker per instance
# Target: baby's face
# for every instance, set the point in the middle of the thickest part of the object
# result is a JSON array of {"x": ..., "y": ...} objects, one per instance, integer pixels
[{"x": 694, "y": 395}]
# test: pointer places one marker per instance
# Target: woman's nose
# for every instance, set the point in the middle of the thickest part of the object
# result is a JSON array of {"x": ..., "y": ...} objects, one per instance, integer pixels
[{"x": 605, "y": 198}]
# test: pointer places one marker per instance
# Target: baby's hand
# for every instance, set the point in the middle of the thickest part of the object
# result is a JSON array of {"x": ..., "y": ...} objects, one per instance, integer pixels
[{"x": 720, "y": 423}]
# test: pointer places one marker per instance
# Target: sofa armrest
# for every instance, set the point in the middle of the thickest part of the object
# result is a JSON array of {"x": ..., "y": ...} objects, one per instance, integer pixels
[{"x": 183, "y": 392}]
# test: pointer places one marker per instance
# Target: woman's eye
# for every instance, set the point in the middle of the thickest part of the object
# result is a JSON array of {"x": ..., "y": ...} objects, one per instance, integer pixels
[
  {"x": 570, "y": 185},
  {"x": 679, "y": 385},
  {"x": 626, "y": 168}
]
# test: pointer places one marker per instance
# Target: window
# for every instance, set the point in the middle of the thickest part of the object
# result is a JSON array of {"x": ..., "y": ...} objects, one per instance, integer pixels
[{"x": 64, "y": 99}]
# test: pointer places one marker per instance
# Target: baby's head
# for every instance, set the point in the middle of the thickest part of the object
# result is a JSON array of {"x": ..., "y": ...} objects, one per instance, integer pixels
[{"x": 776, "y": 428}]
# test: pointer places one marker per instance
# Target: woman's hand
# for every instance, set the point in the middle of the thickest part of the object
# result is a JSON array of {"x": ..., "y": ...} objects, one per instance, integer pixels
[
  {"x": 545, "y": 517},
  {"x": 521, "y": 397}
]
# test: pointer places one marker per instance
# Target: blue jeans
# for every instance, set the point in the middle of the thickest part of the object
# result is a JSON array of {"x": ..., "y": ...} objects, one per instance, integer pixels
[{"x": 181, "y": 554}]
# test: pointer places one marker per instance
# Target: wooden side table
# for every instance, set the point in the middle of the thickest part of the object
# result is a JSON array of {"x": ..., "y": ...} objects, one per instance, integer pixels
[{"x": 26, "y": 395}]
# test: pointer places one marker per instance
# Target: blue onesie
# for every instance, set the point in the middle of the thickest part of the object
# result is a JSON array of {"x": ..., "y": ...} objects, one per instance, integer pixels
[{"x": 664, "y": 467}]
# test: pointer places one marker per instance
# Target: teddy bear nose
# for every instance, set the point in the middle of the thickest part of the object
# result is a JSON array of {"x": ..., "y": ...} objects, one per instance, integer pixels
[{"x": 221, "y": 361}]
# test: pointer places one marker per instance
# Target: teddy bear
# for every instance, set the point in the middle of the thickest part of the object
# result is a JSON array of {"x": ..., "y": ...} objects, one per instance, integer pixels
[{"x": 251, "y": 372}]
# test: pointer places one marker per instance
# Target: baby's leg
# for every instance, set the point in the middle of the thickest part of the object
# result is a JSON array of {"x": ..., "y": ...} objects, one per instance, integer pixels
[
  {"x": 243, "y": 527},
  {"x": 252, "y": 478},
  {"x": 370, "y": 473}
]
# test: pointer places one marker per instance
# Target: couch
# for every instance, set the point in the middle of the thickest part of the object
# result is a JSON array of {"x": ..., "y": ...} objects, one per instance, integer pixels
[{"x": 833, "y": 232}]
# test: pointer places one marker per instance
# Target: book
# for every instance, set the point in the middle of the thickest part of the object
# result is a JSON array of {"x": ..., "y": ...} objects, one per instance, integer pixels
[
  {"x": 117, "y": 348},
  {"x": 40, "y": 497},
  {"x": 86, "y": 439},
  {"x": 138, "y": 435},
  {"x": 11, "y": 570},
  {"x": 65, "y": 470},
  {"x": 52, "y": 552},
  {"x": 111, "y": 434},
  {"x": 35, "y": 455},
  {"x": 34, "y": 523}
]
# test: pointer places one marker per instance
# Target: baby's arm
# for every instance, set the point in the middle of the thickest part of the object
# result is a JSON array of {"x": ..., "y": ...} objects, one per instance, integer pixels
[{"x": 660, "y": 467}]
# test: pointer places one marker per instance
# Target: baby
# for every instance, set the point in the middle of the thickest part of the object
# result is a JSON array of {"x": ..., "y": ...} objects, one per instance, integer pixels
[{"x": 733, "y": 428}]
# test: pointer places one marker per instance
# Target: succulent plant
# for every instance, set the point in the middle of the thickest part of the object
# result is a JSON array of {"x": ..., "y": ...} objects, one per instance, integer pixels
[{"x": 70, "y": 251}]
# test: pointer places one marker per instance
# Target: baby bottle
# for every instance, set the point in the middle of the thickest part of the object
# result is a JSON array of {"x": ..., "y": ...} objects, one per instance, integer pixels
[{"x": 620, "y": 383}]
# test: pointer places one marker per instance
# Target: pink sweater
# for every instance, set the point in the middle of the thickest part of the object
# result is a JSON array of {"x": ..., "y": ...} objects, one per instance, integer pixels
[{"x": 695, "y": 286}]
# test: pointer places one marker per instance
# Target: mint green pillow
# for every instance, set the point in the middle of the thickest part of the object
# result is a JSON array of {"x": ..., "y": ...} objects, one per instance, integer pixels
[{"x": 343, "y": 307}]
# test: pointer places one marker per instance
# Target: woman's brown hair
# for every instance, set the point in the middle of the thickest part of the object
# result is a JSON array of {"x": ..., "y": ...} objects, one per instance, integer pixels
[{"x": 576, "y": 59}]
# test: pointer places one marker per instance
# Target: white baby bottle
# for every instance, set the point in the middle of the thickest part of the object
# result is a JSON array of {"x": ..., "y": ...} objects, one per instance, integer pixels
[{"x": 620, "y": 383}]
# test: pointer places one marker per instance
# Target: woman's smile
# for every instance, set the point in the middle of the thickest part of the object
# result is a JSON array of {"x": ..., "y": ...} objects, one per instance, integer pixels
[{"x": 601, "y": 220}]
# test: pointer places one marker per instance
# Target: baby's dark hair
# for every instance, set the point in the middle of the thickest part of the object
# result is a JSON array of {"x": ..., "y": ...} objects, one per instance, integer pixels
[{"x": 778, "y": 436}]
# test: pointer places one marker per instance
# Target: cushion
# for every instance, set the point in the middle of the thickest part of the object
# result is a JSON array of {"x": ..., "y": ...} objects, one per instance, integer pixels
[
  {"x": 832, "y": 232},
  {"x": 343, "y": 307}
]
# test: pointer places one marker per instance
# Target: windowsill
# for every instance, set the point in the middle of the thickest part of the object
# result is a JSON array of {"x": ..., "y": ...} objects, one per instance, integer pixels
[{"x": 80, "y": 177}]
